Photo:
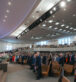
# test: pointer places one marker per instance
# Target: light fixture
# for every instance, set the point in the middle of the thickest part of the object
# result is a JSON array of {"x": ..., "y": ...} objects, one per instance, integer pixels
[
  {"x": 63, "y": 4},
  {"x": 68, "y": 0},
  {"x": 62, "y": 25},
  {"x": 54, "y": 8},
  {"x": 33, "y": 16},
  {"x": 50, "y": 27},
  {"x": 57, "y": 23},
  {"x": 67, "y": 26},
  {"x": 60, "y": 29},
  {"x": 51, "y": 12},
  {"x": 44, "y": 25},
  {"x": 50, "y": 21},
  {"x": 74, "y": 15},
  {"x": 7, "y": 11},
  {"x": 56, "y": 28},
  {"x": 74, "y": 29},
  {"x": 68, "y": 31},
  {"x": 19, "y": 30},
  {"x": 40, "y": 19},
  {"x": 53, "y": 16},
  {"x": 4, "y": 20},
  {"x": 5, "y": 16},
  {"x": 64, "y": 9},
  {"x": 64, "y": 30},
  {"x": 9, "y": 3},
  {"x": 71, "y": 28}
]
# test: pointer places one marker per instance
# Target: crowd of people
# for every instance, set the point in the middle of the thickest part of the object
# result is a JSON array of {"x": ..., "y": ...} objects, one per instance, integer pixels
[{"x": 35, "y": 60}]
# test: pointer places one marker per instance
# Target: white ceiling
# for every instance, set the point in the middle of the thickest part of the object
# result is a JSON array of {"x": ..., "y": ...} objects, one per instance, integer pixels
[{"x": 63, "y": 22}]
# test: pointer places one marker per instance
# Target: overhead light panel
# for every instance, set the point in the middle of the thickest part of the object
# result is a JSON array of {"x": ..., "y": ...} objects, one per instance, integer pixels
[
  {"x": 7, "y": 11},
  {"x": 63, "y": 4},
  {"x": 69, "y": 0},
  {"x": 50, "y": 21},
  {"x": 4, "y": 20},
  {"x": 62, "y": 25},
  {"x": 56, "y": 28},
  {"x": 44, "y": 25},
  {"x": 71, "y": 28},
  {"x": 54, "y": 8},
  {"x": 19, "y": 30},
  {"x": 57, "y": 23},
  {"x": 67, "y": 26},
  {"x": 50, "y": 27},
  {"x": 60, "y": 29},
  {"x": 9, "y": 3},
  {"x": 5, "y": 16}
]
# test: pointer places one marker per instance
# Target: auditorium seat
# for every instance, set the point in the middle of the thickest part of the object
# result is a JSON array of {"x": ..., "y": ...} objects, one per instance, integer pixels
[
  {"x": 64, "y": 79},
  {"x": 56, "y": 68},
  {"x": 25, "y": 61},
  {"x": 68, "y": 68},
  {"x": 45, "y": 70}
]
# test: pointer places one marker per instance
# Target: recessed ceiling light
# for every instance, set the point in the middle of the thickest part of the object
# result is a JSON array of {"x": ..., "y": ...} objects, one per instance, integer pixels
[
  {"x": 64, "y": 9},
  {"x": 50, "y": 21},
  {"x": 33, "y": 16},
  {"x": 67, "y": 26},
  {"x": 68, "y": 31},
  {"x": 57, "y": 23},
  {"x": 50, "y": 27},
  {"x": 5, "y": 16},
  {"x": 44, "y": 25},
  {"x": 64, "y": 30},
  {"x": 62, "y": 25},
  {"x": 55, "y": 28},
  {"x": 4, "y": 20},
  {"x": 74, "y": 15},
  {"x": 60, "y": 29},
  {"x": 40, "y": 19},
  {"x": 9, "y": 3},
  {"x": 7, "y": 11},
  {"x": 54, "y": 8},
  {"x": 68, "y": 0},
  {"x": 63, "y": 4},
  {"x": 51, "y": 12},
  {"x": 71, "y": 28},
  {"x": 74, "y": 29},
  {"x": 53, "y": 16}
]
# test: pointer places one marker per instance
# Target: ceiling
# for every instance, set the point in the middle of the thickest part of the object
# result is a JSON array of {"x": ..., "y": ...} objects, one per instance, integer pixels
[
  {"x": 13, "y": 13},
  {"x": 60, "y": 24}
]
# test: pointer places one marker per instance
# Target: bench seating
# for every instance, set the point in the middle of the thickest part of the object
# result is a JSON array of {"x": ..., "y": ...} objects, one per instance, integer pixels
[
  {"x": 68, "y": 68},
  {"x": 45, "y": 70},
  {"x": 64, "y": 79},
  {"x": 56, "y": 69}
]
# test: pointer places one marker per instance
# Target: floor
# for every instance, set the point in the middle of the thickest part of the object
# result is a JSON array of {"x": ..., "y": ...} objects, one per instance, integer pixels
[{"x": 22, "y": 73}]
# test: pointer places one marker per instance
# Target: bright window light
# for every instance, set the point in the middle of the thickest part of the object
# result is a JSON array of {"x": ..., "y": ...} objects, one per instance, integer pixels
[
  {"x": 9, "y": 47},
  {"x": 19, "y": 30}
]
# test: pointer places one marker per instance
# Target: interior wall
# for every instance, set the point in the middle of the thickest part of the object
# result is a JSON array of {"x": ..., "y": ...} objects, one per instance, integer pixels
[{"x": 5, "y": 46}]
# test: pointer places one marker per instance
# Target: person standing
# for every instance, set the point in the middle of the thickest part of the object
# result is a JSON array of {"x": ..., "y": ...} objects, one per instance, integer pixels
[{"x": 38, "y": 65}]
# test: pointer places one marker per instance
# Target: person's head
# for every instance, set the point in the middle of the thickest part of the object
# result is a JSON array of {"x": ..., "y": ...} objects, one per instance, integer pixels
[{"x": 38, "y": 53}]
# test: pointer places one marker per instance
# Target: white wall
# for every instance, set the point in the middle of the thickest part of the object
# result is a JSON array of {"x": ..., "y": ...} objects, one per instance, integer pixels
[{"x": 5, "y": 46}]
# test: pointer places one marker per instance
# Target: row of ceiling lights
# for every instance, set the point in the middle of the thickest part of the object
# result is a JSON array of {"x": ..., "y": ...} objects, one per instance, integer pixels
[
  {"x": 62, "y": 4},
  {"x": 57, "y": 24},
  {"x": 7, "y": 11}
]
